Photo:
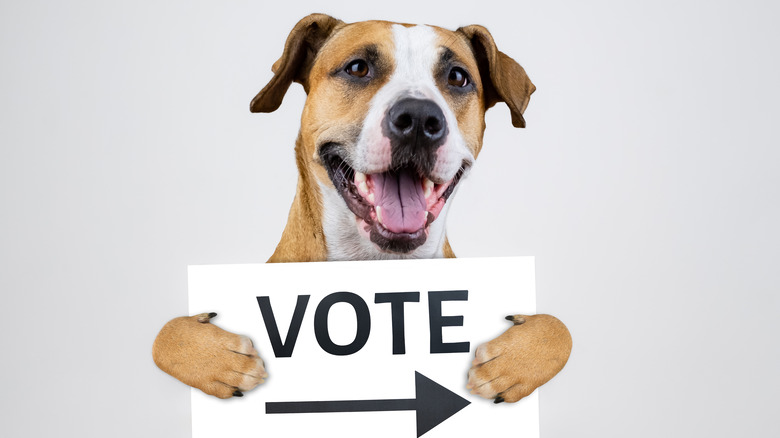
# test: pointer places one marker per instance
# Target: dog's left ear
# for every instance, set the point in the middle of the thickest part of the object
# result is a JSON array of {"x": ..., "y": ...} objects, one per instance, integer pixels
[
  {"x": 303, "y": 43},
  {"x": 503, "y": 79}
]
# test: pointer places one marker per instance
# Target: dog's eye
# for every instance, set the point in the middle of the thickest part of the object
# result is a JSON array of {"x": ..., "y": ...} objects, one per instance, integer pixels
[
  {"x": 458, "y": 78},
  {"x": 357, "y": 68}
]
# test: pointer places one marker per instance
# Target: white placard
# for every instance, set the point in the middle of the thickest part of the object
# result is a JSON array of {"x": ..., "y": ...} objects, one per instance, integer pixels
[{"x": 371, "y": 374}]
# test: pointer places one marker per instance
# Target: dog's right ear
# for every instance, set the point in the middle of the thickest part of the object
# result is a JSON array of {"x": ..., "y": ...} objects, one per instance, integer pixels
[{"x": 303, "y": 43}]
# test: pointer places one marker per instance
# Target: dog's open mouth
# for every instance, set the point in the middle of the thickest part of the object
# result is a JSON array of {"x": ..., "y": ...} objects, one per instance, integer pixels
[{"x": 394, "y": 209}]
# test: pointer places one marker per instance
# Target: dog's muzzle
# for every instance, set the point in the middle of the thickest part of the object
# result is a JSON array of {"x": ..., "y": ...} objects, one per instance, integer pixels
[{"x": 395, "y": 207}]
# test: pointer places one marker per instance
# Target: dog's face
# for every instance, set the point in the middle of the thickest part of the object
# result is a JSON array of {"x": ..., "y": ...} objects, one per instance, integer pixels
[{"x": 394, "y": 116}]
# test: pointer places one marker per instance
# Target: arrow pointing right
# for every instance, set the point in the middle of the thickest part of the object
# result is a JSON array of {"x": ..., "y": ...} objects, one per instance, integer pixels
[{"x": 433, "y": 404}]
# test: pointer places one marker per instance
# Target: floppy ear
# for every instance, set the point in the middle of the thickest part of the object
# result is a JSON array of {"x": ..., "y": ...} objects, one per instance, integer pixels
[
  {"x": 302, "y": 45},
  {"x": 503, "y": 79}
]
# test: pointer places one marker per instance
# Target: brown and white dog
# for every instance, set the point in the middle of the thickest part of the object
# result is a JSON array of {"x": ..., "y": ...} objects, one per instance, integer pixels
[{"x": 394, "y": 118}]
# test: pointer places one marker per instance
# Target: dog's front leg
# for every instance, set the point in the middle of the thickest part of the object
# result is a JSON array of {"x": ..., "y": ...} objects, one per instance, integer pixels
[
  {"x": 524, "y": 357},
  {"x": 206, "y": 357}
]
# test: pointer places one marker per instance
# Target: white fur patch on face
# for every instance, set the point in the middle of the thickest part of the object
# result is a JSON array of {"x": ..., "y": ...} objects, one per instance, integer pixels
[{"x": 417, "y": 51}]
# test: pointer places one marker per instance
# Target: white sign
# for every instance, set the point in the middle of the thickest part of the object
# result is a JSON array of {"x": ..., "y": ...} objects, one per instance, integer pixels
[{"x": 357, "y": 349}]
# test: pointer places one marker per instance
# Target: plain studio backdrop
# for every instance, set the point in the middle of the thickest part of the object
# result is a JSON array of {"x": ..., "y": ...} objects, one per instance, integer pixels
[{"x": 646, "y": 184}]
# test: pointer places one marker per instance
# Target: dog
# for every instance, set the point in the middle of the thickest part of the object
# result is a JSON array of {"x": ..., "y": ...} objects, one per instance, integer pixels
[{"x": 393, "y": 121}]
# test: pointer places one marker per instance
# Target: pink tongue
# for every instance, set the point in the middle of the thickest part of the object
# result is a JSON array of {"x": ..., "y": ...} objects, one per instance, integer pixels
[{"x": 401, "y": 197}]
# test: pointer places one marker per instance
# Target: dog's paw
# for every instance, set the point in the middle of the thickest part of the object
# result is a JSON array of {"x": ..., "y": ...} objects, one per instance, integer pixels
[
  {"x": 206, "y": 357},
  {"x": 523, "y": 358}
]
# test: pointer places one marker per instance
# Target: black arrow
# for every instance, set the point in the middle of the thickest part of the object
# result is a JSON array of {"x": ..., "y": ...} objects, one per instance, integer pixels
[{"x": 433, "y": 403}]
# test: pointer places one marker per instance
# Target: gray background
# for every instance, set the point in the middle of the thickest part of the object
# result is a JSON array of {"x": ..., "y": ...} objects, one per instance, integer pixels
[{"x": 647, "y": 185}]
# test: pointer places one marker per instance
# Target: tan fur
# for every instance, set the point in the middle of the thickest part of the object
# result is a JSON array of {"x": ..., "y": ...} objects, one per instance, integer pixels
[
  {"x": 505, "y": 80},
  {"x": 223, "y": 364},
  {"x": 203, "y": 355},
  {"x": 470, "y": 113},
  {"x": 524, "y": 357},
  {"x": 303, "y": 238}
]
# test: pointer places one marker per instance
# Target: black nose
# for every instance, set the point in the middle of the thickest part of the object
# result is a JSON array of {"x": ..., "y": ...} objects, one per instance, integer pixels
[
  {"x": 416, "y": 128},
  {"x": 418, "y": 121}
]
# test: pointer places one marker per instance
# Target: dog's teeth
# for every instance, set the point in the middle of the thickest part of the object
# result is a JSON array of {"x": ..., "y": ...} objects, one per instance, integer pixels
[
  {"x": 360, "y": 177},
  {"x": 363, "y": 186},
  {"x": 428, "y": 187},
  {"x": 378, "y": 214},
  {"x": 371, "y": 198}
]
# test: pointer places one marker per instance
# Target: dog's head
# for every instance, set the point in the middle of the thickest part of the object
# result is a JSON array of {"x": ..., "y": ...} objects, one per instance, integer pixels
[{"x": 394, "y": 115}]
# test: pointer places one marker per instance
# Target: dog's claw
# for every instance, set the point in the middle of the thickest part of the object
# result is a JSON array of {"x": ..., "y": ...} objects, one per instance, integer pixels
[
  {"x": 238, "y": 393},
  {"x": 498, "y": 400},
  {"x": 516, "y": 319}
]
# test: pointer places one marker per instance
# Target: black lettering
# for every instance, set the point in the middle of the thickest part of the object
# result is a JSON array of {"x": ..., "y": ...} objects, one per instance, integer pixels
[
  {"x": 283, "y": 349},
  {"x": 321, "y": 323},
  {"x": 397, "y": 300},
  {"x": 437, "y": 321}
]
